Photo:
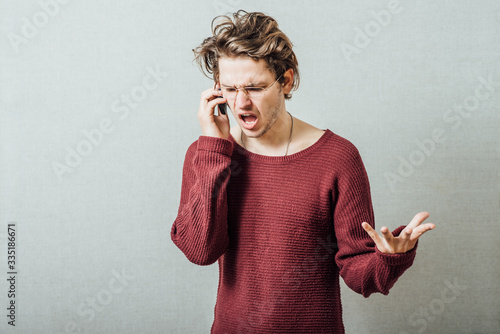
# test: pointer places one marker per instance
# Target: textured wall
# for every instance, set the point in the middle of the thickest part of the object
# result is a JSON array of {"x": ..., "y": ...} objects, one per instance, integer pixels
[{"x": 98, "y": 106}]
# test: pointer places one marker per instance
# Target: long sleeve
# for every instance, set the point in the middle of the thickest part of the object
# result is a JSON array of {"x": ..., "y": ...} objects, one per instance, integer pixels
[
  {"x": 362, "y": 266},
  {"x": 200, "y": 229},
  {"x": 294, "y": 227}
]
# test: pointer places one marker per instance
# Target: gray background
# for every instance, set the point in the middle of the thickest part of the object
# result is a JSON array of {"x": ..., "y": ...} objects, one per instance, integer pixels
[{"x": 112, "y": 214}]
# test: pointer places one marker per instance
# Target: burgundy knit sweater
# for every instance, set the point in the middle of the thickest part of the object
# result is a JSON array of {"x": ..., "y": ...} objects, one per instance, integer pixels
[{"x": 282, "y": 230}]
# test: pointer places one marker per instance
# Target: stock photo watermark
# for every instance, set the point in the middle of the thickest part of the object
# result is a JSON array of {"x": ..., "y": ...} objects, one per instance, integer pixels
[
  {"x": 452, "y": 118},
  {"x": 12, "y": 272},
  {"x": 88, "y": 310},
  {"x": 225, "y": 6},
  {"x": 31, "y": 27},
  {"x": 93, "y": 138},
  {"x": 364, "y": 36},
  {"x": 424, "y": 315},
  {"x": 223, "y": 178}
]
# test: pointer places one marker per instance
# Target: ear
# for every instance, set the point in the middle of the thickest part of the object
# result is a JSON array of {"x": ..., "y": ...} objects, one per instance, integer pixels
[{"x": 287, "y": 85}]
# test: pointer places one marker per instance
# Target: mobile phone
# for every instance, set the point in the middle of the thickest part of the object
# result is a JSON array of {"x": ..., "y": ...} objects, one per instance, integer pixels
[{"x": 223, "y": 106}]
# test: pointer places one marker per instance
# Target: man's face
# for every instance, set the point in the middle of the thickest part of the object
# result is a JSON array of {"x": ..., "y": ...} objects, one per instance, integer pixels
[{"x": 245, "y": 72}]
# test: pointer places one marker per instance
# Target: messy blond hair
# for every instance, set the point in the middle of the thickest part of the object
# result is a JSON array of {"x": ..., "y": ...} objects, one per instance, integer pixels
[{"x": 253, "y": 35}]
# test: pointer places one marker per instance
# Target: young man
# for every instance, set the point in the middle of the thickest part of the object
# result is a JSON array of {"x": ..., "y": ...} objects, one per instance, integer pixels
[{"x": 283, "y": 206}]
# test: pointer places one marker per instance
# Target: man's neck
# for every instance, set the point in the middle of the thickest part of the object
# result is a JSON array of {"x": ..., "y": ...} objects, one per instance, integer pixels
[{"x": 275, "y": 141}]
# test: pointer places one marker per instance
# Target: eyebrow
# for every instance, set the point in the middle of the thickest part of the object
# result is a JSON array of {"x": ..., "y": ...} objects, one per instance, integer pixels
[{"x": 250, "y": 84}]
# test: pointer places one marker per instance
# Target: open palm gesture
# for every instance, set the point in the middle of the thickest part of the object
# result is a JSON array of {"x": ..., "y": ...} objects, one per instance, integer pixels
[{"x": 387, "y": 243}]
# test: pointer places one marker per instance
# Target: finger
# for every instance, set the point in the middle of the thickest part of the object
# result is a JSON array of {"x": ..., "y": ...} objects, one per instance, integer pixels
[
  {"x": 371, "y": 232},
  {"x": 206, "y": 94},
  {"x": 387, "y": 234},
  {"x": 406, "y": 233},
  {"x": 418, "y": 231},
  {"x": 210, "y": 100},
  {"x": 418, "y": 219},
  {"x": 215, "y": 102},
  {"x": 222, "y": 109},
  {"x": 209, "y": 95},
  {"x": 206, "y": 97}
]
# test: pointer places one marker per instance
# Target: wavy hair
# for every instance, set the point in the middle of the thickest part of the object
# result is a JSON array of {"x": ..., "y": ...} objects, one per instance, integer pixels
[{"x": 254, "y": 35}]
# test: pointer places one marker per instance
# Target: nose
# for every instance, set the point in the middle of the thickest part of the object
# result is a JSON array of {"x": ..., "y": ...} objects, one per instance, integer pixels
[{"x": 242, "y": 101}]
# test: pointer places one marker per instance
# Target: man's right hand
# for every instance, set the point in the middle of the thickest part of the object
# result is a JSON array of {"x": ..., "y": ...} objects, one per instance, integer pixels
[{"x": 213, "y": 125}]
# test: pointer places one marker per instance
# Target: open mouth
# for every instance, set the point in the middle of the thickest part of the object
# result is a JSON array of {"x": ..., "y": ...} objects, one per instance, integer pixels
[{"x": 248, "y": 119}]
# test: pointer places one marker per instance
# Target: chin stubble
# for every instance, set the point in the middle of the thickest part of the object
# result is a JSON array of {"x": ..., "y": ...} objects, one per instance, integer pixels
[{"x": 272, "y": 121}]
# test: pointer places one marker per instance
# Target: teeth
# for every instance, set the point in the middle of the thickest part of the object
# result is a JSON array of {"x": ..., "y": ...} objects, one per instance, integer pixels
[{"x": 247, "y": 121}]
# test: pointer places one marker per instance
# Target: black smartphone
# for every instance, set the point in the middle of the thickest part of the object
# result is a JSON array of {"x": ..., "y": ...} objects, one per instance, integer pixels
[{"x": 223, "y": 106}]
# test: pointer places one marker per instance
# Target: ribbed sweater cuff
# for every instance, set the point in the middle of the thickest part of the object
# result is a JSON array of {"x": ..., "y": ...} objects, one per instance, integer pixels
[
  {"x": 400, "y": 258},
  {"x": 215, "y": 144}
]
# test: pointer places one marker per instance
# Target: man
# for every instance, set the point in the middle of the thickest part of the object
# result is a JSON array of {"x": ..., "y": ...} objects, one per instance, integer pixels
[{"x": 283, "y": 206}]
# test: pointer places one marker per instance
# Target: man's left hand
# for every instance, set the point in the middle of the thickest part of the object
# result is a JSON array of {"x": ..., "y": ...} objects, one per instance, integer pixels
[{"x": 387, "y": 243}]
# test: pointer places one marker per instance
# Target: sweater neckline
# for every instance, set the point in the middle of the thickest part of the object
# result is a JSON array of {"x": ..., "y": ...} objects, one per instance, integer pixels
[{"x": 278, "y": 159}]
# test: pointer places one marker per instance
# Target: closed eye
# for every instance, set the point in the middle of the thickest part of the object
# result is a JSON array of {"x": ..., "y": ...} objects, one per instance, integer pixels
[{"x": 254, "y": 89}]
